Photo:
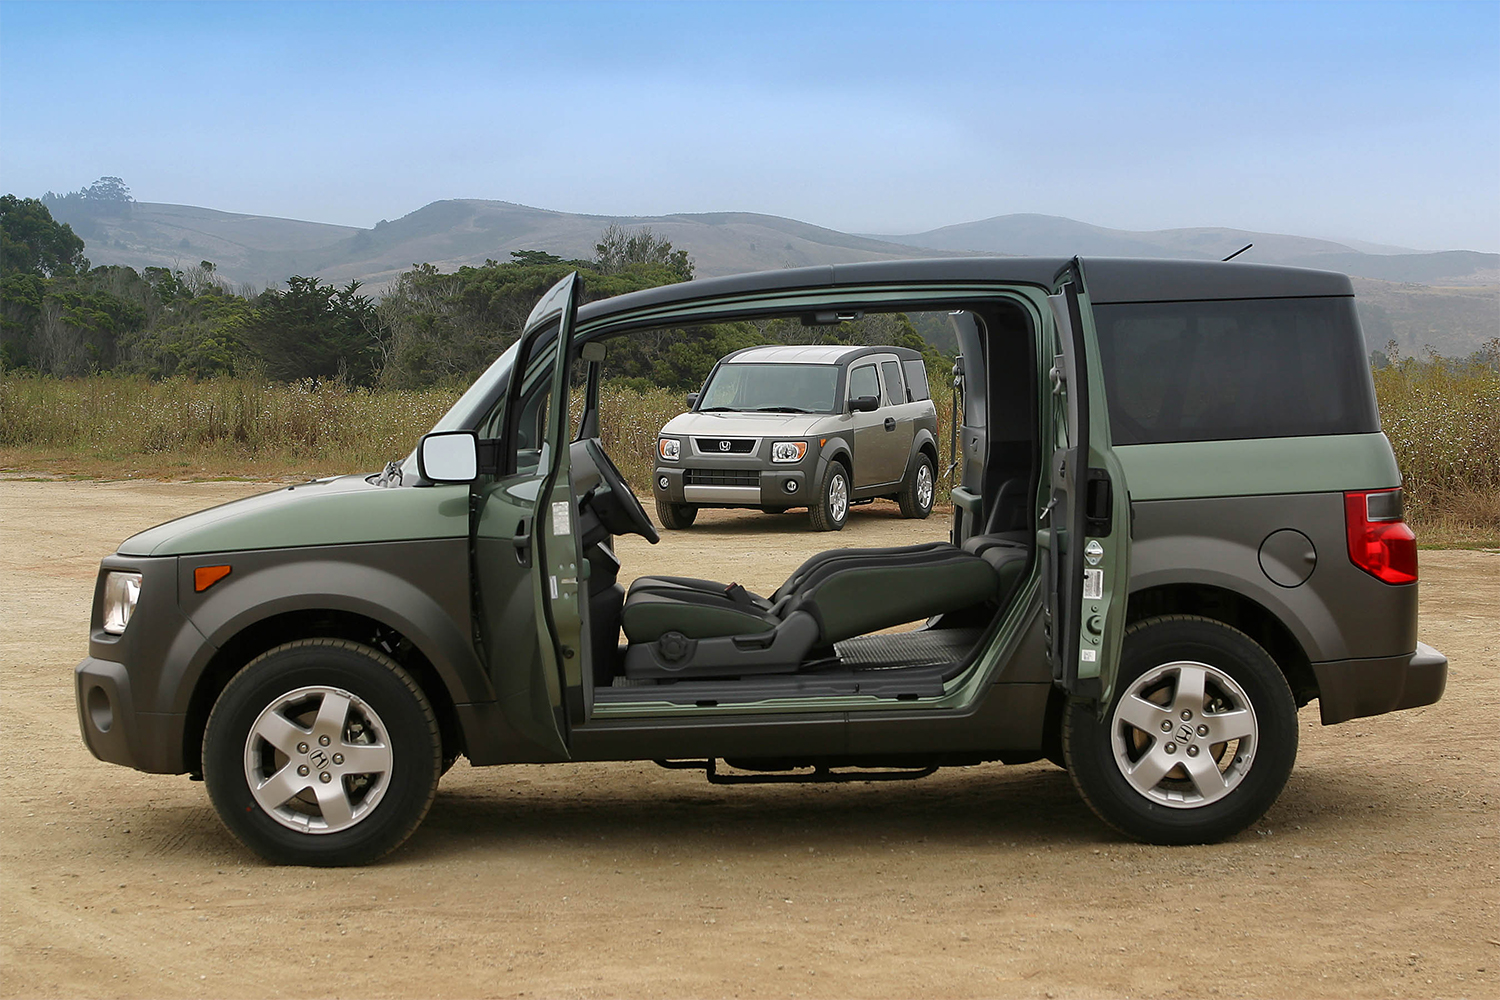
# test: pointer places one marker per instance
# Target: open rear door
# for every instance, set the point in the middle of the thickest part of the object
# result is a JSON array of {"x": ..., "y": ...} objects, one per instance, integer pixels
[{"x": 1086, "y": 527}]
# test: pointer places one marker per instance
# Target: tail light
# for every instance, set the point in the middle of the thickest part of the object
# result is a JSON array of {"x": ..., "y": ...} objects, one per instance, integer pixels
[{"x": 1380, "y": 543}]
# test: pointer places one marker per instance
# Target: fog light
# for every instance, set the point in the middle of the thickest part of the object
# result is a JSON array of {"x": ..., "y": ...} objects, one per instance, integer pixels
[
  {"x": 661, "y": 481},
  {"x": 790, "y": 486},
  {"x": 101, "y": 713}
]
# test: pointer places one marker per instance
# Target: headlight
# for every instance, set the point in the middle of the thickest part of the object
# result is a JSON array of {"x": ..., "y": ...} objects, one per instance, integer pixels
[
  {"x": 121, "y": 591},
  {"x": 788, "y": 451},
  {"x": 670, "y": 448}
]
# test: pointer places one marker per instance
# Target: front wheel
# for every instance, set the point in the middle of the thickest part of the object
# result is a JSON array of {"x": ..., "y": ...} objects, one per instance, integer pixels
[
  {"x": 1199, "y": 739},
  {"x": 322, "y": 752},
  {"x": 675, "y": 516},
  {"x": 919, "y": 490},
  {"x": 831, "y": 510}
]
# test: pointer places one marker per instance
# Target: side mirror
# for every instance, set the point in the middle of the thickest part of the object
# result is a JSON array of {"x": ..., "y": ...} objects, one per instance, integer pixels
[
  {"x": 692, "y": 400},
  {"x": 864, "y": 404},
  {"x": 449, "y": 457}
]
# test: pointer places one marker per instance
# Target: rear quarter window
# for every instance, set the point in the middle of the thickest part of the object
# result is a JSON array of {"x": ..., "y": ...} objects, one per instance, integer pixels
[
  {"x": 916, "y": 380},
  {"x": 1226, "y": 370}
]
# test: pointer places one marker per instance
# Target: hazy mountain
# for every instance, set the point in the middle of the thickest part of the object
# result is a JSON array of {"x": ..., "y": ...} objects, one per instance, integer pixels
[
  {"x": 448, "y": 234},
  {"x": 1049, "y": 235},
  {"x": 1450, "y": 301}
]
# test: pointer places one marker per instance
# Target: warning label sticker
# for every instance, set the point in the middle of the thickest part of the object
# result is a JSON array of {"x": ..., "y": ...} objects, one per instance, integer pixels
[{"x": 1093, "y": 584}]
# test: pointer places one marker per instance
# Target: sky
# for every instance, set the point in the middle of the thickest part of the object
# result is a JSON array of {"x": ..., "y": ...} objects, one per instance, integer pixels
[{"x": 1351, "y": 121}]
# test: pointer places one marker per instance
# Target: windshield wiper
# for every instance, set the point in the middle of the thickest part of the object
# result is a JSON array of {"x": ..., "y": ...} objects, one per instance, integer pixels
[
  {"x": 392, "y": 474},
  {"x": 781, "y": 409},
  {"x": 715, "y": 409}
]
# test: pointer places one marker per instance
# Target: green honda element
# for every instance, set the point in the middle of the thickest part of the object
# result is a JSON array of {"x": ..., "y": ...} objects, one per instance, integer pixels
[{"x": 1175, "y": 521}]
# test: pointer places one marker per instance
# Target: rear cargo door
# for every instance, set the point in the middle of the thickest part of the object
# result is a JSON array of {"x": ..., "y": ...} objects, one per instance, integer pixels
[{"x": 1086, "y": 525}]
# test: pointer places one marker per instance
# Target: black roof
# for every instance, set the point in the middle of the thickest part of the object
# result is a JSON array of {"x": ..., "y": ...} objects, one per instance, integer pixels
[{"x": 1109, "y": 279}]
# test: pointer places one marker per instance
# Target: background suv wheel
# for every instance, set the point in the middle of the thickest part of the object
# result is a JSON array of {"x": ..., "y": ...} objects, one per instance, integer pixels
[
  {"x": 675, "y": 515},
  {"x": 831, "y": 510},
  {"x": 920, "y": 489}
]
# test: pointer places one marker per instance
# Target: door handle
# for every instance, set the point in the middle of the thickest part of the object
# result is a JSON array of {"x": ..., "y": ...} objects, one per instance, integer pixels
[
  {"x": 522, "y": 541},
  {"x": 890, "y": 423}
]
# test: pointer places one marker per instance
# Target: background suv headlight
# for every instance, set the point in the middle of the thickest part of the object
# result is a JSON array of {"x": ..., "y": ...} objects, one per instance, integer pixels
[
  {"x": 788, "y": 451},
  {"x": 121, "y": 591},
  {"x": 669, "y": 448}
]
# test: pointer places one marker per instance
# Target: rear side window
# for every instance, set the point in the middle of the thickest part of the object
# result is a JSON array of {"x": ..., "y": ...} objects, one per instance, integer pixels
[
  {"x": 895, "y": 392},
  {"x": 916, "y": 381},
  {"x": 1217, "y": 371}
]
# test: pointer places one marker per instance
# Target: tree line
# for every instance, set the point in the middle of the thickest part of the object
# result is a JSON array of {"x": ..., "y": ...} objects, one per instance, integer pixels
[{"x": 61, "y": 316}]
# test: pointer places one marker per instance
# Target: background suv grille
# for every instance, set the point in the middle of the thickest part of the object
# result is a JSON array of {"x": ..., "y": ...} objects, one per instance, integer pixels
[
  {"x": 714, "y": 446},
  {"x": 720, "y": 477}
]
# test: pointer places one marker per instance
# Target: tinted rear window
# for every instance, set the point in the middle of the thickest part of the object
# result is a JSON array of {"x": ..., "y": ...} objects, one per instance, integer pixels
[
  {"x": 1215, "y": 371},
  {"x": 916, "y": 380}
]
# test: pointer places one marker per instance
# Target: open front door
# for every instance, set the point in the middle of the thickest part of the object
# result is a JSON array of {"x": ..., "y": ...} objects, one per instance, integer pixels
[
  {"x": 528, "y": 613},
  {"x": 1086, "y": 526}
]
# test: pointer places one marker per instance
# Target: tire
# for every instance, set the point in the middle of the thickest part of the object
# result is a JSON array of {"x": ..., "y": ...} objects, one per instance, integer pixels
[
  {"x": 1178, "y": 785},
  {"x": 675, "y": 516},
  {"x": 831, "y": 512},
  {"x": 322, "y": 708},
  {"x": 920, "y": 489}
]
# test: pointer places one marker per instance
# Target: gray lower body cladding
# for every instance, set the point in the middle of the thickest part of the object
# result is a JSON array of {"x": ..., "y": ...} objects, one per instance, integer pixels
[{"x": 1353, "y": 689}]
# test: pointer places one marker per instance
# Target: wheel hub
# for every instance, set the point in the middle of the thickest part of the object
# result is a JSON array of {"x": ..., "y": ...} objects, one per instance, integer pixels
[
  {"x": 1184, "y": 734},
  {"x": 316, "y": 759}
]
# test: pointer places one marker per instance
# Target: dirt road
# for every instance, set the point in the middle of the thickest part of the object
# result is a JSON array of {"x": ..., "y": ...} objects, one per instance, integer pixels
[{"x": 1374, "y": 875}]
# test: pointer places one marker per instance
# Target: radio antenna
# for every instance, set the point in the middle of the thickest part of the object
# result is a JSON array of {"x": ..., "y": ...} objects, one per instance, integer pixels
[{"x": 1241, "y": 250}]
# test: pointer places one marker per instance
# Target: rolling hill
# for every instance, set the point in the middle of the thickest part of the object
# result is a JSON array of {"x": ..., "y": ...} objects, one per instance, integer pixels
[{"x": 1449, "y": 301}]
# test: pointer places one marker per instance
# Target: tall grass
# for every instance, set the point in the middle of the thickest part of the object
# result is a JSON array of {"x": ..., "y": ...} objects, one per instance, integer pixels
[
  {"x": 220, "y": 426},
  {"x": 1443, "y": 419}
]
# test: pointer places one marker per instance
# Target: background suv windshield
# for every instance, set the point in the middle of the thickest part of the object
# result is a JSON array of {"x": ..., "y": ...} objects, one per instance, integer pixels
[{"x": 777, "y": 388}]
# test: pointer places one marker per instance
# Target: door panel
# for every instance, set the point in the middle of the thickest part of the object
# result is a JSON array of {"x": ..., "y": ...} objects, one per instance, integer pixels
[
  {"x": 1087, "y": 523},
  {"x": 525, "y": 549},
  {"x": 867, "y": 431}
]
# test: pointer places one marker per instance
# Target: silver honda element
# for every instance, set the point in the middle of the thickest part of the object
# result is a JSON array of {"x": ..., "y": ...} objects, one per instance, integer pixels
[{"x": 822, "y": 427}]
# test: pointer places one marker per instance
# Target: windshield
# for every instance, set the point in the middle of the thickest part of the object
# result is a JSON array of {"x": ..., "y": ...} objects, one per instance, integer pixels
[
  {"x": 476, "y": 401},
  {"x": 771, "y": 388}
]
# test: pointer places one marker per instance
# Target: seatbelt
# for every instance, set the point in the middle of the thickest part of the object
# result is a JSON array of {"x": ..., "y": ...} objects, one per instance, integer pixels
[{"x": 958, "y": 392}]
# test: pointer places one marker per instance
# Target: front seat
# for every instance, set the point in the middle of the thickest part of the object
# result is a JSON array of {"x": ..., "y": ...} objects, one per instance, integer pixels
[{"x": 683, "y": 627}]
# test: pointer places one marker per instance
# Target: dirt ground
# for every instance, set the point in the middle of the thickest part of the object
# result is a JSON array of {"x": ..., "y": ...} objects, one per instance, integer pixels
[{"x": 1374, "y": 875}]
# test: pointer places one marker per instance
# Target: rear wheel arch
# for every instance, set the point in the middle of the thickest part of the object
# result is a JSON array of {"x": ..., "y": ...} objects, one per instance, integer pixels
[
  {"x": 1239, "y": 612},
  {"x": 277, "y": 630}
]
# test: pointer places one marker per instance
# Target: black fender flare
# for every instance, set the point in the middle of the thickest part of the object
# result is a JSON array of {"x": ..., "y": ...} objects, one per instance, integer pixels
[
  {"x": 835, "y": 449},
  {"x": 326, "y": 584}
]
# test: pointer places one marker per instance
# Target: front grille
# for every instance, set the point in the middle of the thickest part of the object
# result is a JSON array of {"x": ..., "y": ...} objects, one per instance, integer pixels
[
  {"x": 720, "y": 477},
  {"x": 716, "y": 446}
]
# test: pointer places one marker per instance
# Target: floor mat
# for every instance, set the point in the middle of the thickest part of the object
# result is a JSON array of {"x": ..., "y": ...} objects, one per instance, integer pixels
[{"x": 925, "y": 647}]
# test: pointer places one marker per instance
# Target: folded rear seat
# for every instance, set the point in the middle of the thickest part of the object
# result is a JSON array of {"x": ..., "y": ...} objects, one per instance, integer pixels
[{"x": 685, "y": 627}]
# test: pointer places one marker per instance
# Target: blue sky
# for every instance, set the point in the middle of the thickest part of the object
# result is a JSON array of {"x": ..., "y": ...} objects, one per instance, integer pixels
[{"x": 1377, "y": 122}]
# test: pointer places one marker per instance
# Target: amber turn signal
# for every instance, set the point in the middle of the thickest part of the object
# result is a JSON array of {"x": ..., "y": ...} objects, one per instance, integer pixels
[{"x": 206, "y": 576}]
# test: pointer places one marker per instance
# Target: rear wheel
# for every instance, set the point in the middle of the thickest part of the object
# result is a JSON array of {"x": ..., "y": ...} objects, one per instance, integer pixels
[
  {"x": 322, "y": 752},
  {"x": 831, "y": 511},
  {"x": 675, "y": 515},
  {"x": 919, "y": 490},
  {"x": 1199, "y": 739}
]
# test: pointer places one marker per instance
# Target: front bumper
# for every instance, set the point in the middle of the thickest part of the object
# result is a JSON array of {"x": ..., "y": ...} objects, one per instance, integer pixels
[
  {"x": 112, "y": 728},
  {"x": 1353, "y": 689},
  {"x": 748, "y": 486}
]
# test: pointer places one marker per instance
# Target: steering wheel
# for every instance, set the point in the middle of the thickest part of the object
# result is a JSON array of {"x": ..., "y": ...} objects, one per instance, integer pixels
[{"x": 626, "y": 506}]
